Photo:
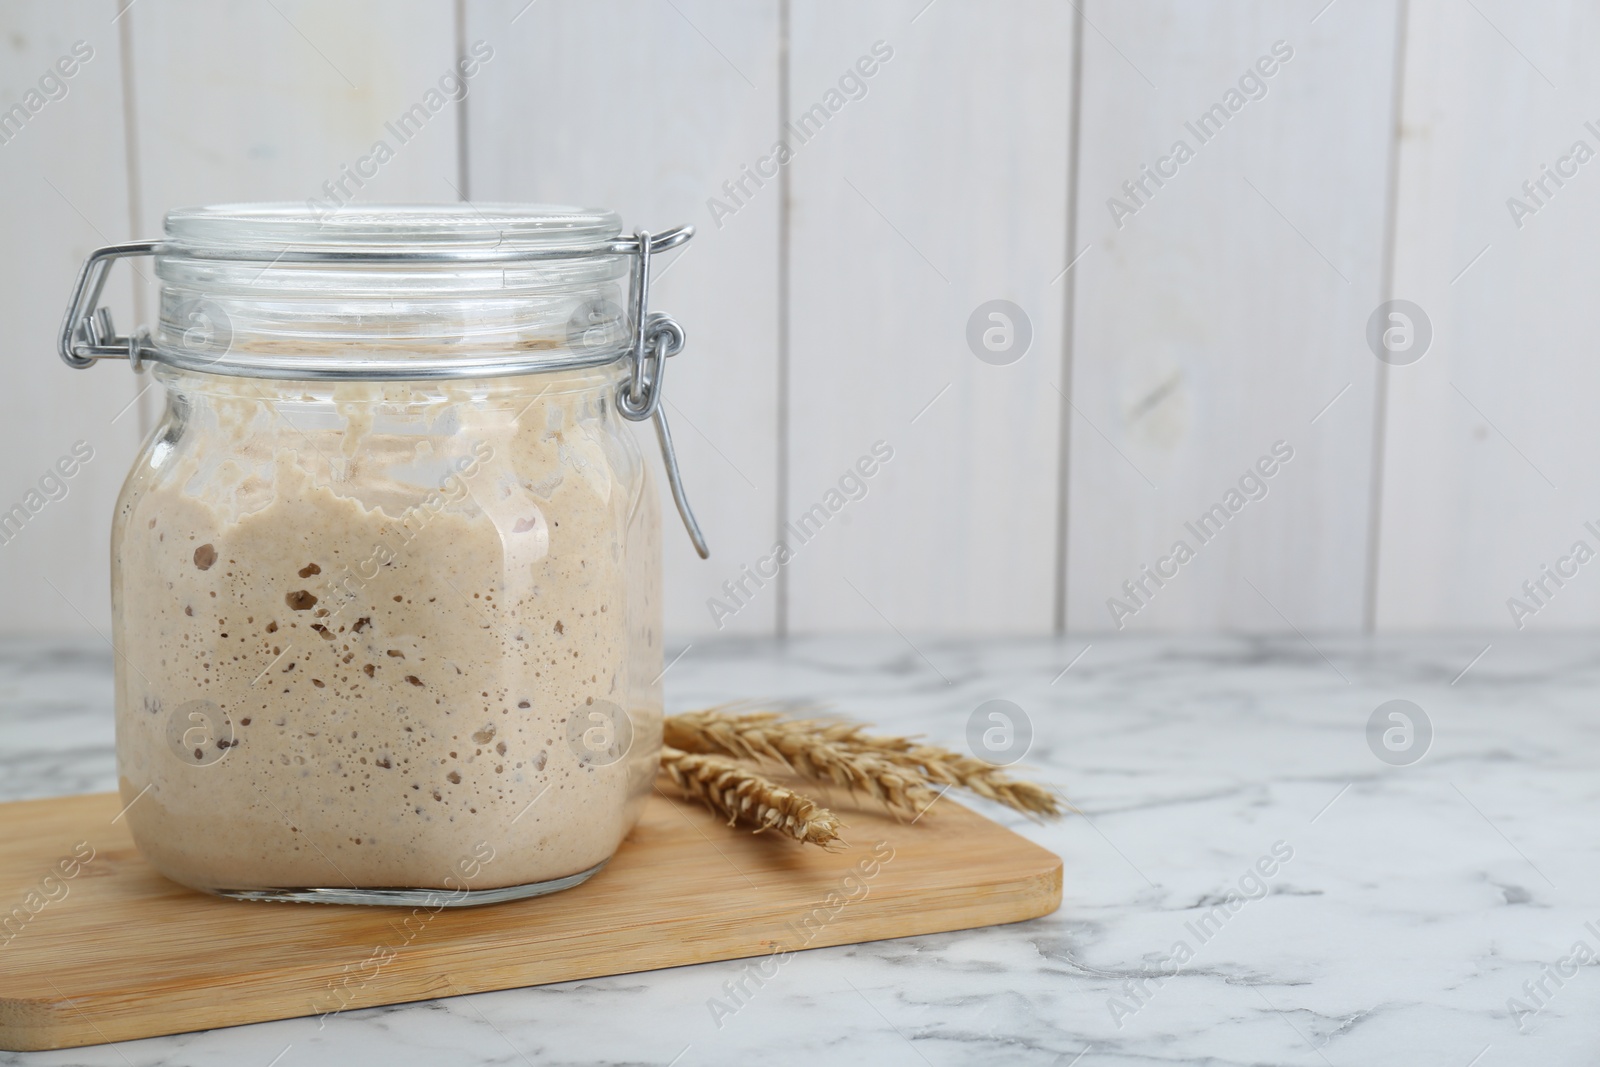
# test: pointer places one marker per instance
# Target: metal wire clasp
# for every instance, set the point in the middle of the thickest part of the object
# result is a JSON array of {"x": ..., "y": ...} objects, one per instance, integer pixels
[
  {"x": 656, "y": 337},
  {"x": 87, "y": 334}
]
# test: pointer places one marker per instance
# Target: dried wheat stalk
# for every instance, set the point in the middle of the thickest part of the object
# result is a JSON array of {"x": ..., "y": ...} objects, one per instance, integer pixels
[
  {"x": 741, "y": 794},
  {"x": 807, "y": 749},
  {"x": 896, "y": 770}
]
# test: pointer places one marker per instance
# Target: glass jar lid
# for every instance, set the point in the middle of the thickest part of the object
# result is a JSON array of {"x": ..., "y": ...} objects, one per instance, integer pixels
[
  {"x": 265, "y": 231},
  {"x": 391, "y": 291}
]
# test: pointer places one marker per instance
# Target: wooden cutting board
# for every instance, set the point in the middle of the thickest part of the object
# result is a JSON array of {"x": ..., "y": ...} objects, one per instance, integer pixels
[{"x": 114, "y": 951}]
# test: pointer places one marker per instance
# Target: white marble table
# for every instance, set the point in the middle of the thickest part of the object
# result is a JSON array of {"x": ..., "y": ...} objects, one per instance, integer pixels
[{"x": 1416, "y": 901}]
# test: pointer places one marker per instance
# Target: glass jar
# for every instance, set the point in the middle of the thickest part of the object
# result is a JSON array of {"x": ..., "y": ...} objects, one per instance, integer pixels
[{"x": 386, "y": 577}]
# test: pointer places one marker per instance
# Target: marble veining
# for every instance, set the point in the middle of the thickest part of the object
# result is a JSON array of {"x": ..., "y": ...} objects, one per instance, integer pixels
[{"x": 1436, "y": 913}]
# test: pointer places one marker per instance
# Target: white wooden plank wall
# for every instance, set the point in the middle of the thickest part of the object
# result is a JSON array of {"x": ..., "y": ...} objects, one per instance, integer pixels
[
  {"x": 913, "y": 205},
  {"x": 944, "y": 155},
  {"x": 1489, "y": 469},
  {"x": 1223, "y": 313},
  {"x": 65, "y": 185},
  {"x": 259, "y": 101}
]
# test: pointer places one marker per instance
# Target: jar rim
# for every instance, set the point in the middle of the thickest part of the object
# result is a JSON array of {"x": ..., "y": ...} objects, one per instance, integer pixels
[
  {"x": 266, "y": 230},
  {"x": 392, "y": 291}
]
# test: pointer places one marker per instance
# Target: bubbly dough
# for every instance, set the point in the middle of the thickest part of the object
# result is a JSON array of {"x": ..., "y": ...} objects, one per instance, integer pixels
[{"x": 363, "y": 630}]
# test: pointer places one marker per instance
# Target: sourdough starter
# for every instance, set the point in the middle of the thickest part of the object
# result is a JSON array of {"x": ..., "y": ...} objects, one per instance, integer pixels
[{"x": 361, "y": 629}]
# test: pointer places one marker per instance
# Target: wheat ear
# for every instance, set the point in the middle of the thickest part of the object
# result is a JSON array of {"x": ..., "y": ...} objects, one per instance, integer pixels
[
  {"x": 984, "y": 779},
  {"x": 742, "y": 795},
  {"x": 805, "y": 748},
  {"x": 898, "y": 770}
]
